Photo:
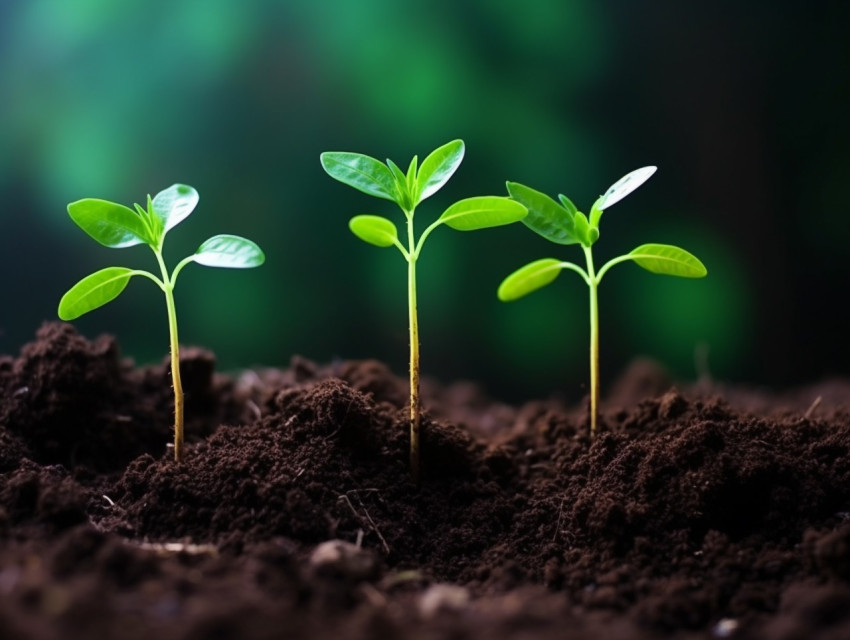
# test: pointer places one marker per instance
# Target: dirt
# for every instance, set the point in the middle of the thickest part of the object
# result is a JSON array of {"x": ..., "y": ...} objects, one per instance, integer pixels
[{"x": 700, "y": 512}]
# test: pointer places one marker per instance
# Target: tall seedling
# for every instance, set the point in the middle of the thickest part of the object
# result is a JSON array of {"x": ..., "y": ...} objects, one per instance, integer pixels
[
  {"x": 407, "y": 190},
  {"x": 563, "y": 223},
  {"x": 116, "y": 226}
]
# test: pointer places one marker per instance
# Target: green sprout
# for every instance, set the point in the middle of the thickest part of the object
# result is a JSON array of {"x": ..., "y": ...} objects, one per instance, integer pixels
[
  {"x": 116, "y": 226},
  {"x": 407, "y": 190},
  {"x": 564, "y": 224}
]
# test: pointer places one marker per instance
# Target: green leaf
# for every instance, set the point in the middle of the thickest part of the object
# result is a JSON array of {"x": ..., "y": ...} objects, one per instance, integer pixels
[
  {"x": 438, "y": 167},
  {"x": 155, "y": 223},
  {"x": 173, "y": 205},
  {"x": 482, "y": 212},
  {"x": 401, "y": 186},
  {"x": 410, "y": 180},
  {"x": 595, "y": 213},
  {"x": 232, "y": 252},
  {"x": 568, "y": 204},
  {"x": 545, "y": 216},
  {"x": 94, "y": 291},
  {"x": 411, "y": 171},
  {"x": 361, "y": 172},
  {"x": 529, "y": 278},
  {"x": 668, "y": 260},
  {"x": 374, "y": 230},
  {"x": 398, "y": 174},
  {"x": 112, "y": 225},
  {"x": 624, "y": 186},
  {"x": 587, "y": 234}
]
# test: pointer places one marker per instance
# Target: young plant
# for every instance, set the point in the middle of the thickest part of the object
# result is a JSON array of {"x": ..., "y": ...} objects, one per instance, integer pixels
[
  {"x": 116, "y": 226},
  {"x": 407, "y": 190},
  {"x": 564, "y": 224}
]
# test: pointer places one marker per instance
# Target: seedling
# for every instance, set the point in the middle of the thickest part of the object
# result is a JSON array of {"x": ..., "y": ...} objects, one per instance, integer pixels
[
  {"x": 116, "y": 226},
  {"x": 407, "y": 190},
  {"x": 564, "y": 224}
]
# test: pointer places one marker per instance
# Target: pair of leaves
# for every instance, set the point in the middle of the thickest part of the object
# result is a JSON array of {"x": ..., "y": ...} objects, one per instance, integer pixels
[
  {"x": 469, "y": 214},
  {"x": 116, "y": 226},
  {"x": 663, "y": 259},
  {"x": 387, "y": 181},
  {"x": 95, "y": 290},
  {"x": 563, "y": 223}
]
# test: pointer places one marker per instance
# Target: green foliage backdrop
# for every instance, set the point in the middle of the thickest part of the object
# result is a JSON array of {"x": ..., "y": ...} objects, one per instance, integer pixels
[{"x": 741, "y": 105}]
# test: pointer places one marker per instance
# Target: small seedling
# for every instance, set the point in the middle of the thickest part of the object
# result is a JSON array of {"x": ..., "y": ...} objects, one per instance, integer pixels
[
  {"x": 116, "y": 226},
  {"x": 407, "y": 190},
  {"x": 564, "y": 224}
]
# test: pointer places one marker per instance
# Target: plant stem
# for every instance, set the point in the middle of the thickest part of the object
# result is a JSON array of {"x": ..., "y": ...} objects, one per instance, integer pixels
[
  {"x": 175, "y": 356},
  {"x": 175, "y": 375},
  {"x": 414, "y": 353},
  {"x": 593, "y": 284}
]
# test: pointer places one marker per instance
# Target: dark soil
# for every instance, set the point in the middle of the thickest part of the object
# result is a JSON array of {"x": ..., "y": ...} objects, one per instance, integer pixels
[{"x": 701, "y": 513}]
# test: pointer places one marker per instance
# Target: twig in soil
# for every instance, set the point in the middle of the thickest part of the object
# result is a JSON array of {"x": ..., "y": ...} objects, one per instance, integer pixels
[
  {"x": 560, "y": 516},
  {"x": 812, "y": 408},
  {"x": 345, "y": 499},
  {"x": 341, "y": 423},
  {"x": 252, "y": 406},
  {"x": 371, "y": 523},
  {"x": 114, "y": 508}
]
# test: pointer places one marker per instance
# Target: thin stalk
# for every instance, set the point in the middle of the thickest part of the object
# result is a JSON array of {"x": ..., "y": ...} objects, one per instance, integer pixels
[
  {"x": 593, "y": 284},
  {"x": 414, "y": 353},
  {"x": 175, "y": 358},
  {"x": 175, "y": 375}
]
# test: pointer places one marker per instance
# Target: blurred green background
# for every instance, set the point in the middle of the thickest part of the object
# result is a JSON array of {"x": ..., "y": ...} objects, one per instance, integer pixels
[{"x": 742, "y": 105}]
